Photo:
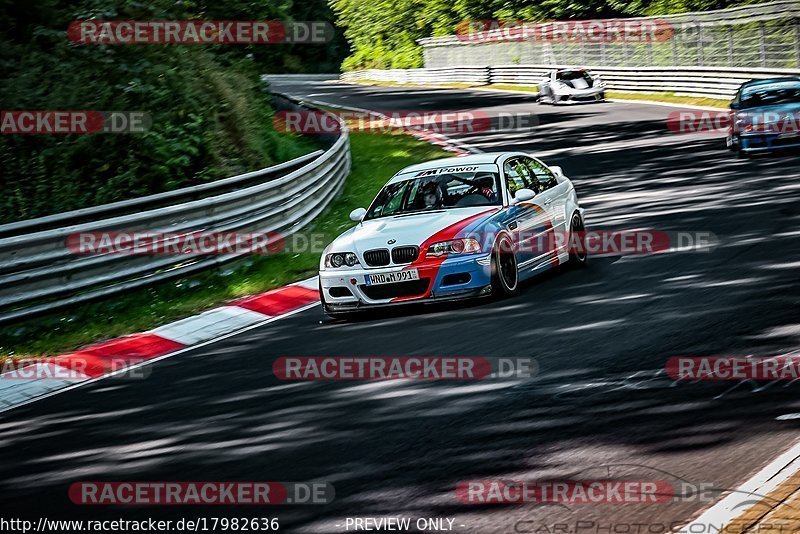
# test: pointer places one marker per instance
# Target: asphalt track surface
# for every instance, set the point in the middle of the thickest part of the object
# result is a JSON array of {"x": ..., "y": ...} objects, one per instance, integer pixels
[{"x": 599, "y": 407}]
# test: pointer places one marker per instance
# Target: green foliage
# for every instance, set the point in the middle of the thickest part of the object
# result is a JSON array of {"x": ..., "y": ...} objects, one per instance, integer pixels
[
  {"x": 210, "y": 115},
  {"x": 382, "y": 33}
]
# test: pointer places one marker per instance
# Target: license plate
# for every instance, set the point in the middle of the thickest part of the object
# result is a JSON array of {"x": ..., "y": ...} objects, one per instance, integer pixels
[{"x": 391, "y": 278}]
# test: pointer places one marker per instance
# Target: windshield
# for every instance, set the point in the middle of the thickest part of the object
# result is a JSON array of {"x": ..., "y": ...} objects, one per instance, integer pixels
[
  {"x": 774, "y": 93},
  {"x": 577, "y": 79},
  {"x": 434, "y": 190},
  {"x": 567, "y": 75}
]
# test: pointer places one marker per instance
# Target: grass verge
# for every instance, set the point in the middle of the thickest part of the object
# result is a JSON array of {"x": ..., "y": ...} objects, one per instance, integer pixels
[
  {"x": 514, "y": 87},
  {"x": 376, "y": 157},
  {"x": 670, "y": 98}
]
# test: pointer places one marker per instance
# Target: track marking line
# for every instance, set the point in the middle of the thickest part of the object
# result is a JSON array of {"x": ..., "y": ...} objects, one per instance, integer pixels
[
  {"x": 160, "y": 358},
  {"x": 752, "y": 492}
]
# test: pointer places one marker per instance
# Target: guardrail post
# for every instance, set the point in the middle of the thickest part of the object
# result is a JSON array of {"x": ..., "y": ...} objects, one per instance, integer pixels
[
  {"x": 796, "y": 23},
  {"x": 674, "y": 51},
  {"x": 700, "y": 58},
  {"x": 762, "y": 43},
  {"x": 583, "y": 51},
  {"x": 730, "y": 45}
]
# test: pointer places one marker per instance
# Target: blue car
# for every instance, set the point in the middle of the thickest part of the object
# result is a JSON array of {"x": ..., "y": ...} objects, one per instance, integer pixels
[{"x": 765, "y": 116}]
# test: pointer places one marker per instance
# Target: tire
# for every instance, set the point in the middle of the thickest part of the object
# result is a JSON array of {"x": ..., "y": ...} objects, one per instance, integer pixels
[
  {"x": 577, "y": 259},
  {"x": 505, "y": 275}
]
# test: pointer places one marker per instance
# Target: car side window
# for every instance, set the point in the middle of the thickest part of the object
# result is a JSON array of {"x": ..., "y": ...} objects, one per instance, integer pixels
[
  {"x": 543, "y": 176},
  {"x": 517, "y": 176}
]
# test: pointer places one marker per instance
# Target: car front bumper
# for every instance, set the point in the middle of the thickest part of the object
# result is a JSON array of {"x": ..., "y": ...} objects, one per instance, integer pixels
[
  {"x": 454, "y": 278},
  {"x": 594, "y": 94},
  {"x": 752, "y": 143}
]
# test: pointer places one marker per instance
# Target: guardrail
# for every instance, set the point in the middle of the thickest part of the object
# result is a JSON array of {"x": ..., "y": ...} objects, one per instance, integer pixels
[
  {"x": 692, "y": 81},
  {"x": 39, "y": 274}
]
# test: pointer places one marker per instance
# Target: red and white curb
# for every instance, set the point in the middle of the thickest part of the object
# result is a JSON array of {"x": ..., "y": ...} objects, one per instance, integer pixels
[{"x": 95, "y": 362}]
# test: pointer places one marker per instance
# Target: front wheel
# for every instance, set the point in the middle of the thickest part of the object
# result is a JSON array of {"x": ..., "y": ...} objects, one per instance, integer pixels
[
  {"x": 577, "y": 246},
  {"x": 505, "y": 277}
]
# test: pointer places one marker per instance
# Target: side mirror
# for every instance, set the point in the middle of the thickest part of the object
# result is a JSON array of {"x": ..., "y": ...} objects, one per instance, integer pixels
[
  {"x": 523, "y": 195},
  {"x": 558, "y": 171},
  {"x": 734, "y": 106},
  {"x": 357, "y": 214}
]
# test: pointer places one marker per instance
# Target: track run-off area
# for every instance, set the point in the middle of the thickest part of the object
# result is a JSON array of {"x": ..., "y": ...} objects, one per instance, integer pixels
[{"x": 600, "y": 406}]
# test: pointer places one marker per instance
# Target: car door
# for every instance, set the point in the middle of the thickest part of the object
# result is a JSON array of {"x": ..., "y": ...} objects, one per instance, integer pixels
[
  {"x": 552, "y": 194},
  {"x": 529, "y": 221}
]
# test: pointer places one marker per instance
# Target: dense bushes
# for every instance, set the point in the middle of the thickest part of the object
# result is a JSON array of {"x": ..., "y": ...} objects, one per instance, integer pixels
[{"x": 210, "y": 116}]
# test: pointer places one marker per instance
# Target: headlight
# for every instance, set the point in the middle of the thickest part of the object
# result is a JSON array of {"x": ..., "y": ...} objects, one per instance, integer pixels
[
  {"x": 455, "y": 246},
  {"x": 338, "y": 259}
]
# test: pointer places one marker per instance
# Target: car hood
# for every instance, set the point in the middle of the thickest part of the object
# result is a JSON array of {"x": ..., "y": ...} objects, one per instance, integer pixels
[{"x": 411, "y": 229}]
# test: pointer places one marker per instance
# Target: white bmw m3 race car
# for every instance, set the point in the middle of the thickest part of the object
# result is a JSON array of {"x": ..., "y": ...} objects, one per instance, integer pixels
[{"x": 453, "y": 228}]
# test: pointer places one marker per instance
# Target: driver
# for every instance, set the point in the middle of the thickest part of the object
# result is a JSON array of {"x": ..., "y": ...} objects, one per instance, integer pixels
[
  {"x": 430, "y": 195},
  {"x": 485, "y": 186}
]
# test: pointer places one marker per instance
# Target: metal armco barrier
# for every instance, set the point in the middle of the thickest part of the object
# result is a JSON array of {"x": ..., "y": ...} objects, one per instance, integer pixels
[
  {"x": 714, "y": 82},
  {"x": 758, "y": 35},
  {"x": 39, "y": 274}
]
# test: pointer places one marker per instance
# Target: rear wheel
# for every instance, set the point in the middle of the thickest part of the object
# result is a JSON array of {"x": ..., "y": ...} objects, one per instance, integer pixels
[
  {"x": 577, "y": 248},
  {"x": 505, "y": 277}
]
